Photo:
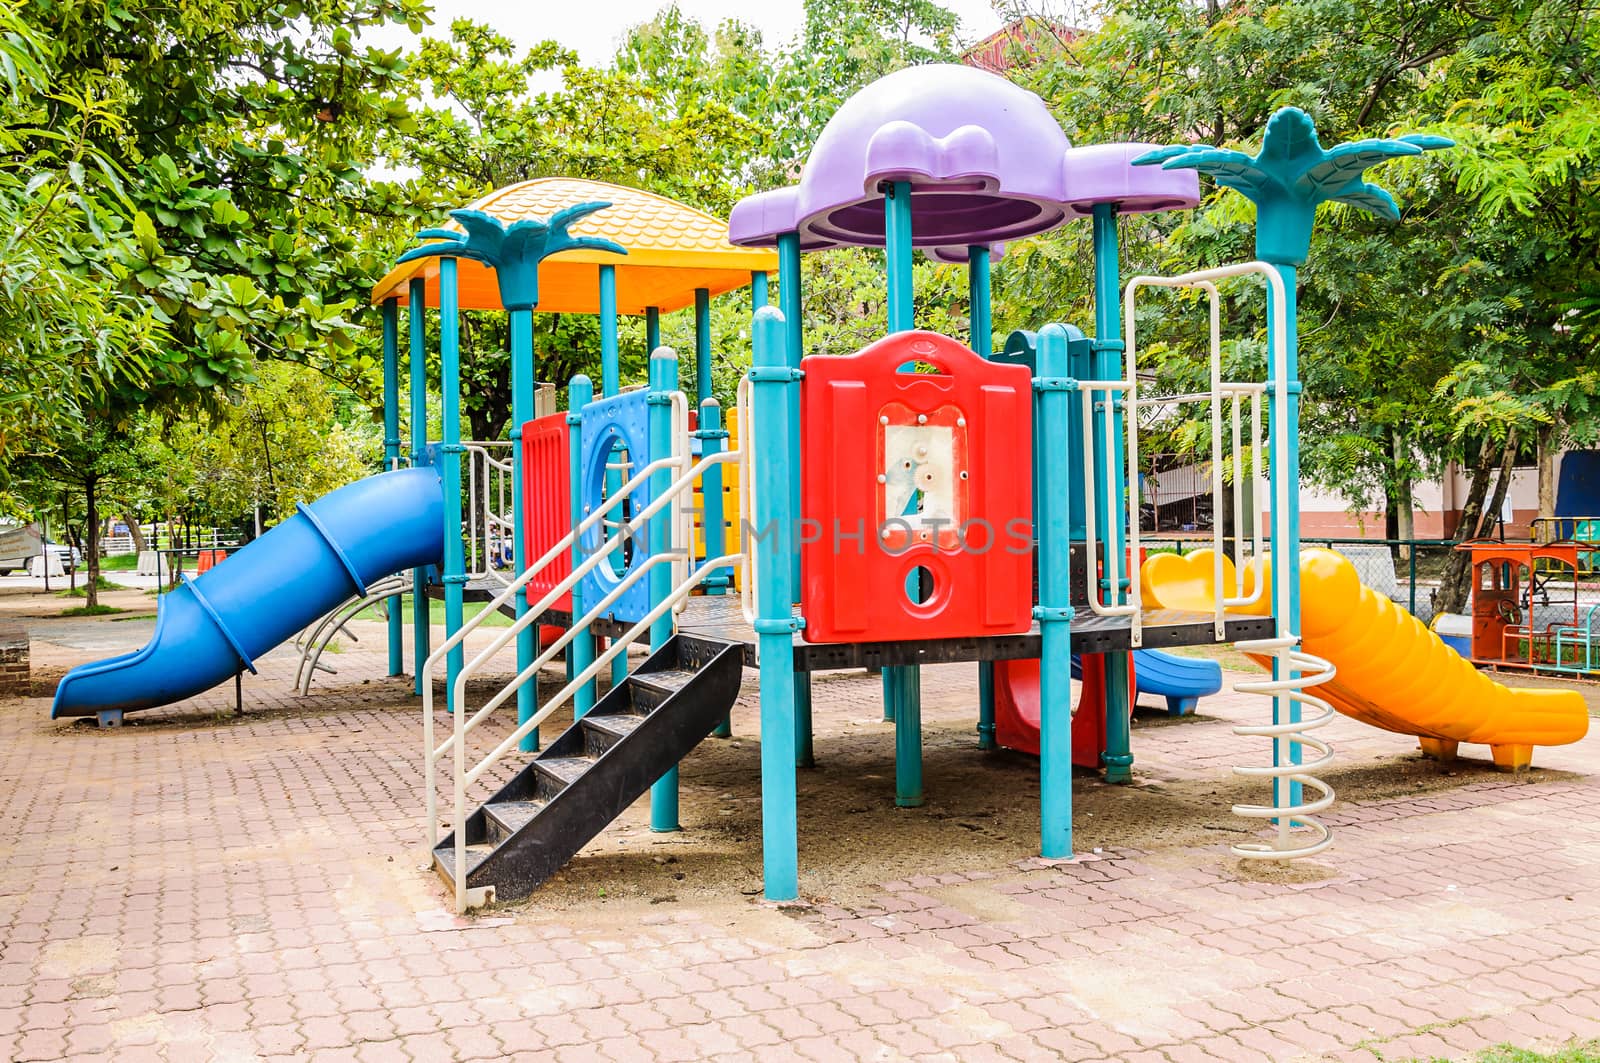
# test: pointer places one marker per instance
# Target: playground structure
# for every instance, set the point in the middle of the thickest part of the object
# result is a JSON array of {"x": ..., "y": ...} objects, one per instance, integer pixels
[{"x": 879, "y": 520}]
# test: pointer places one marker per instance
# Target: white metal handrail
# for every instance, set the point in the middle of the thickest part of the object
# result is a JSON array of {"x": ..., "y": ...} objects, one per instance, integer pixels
[{"x": 508, "y": 634}]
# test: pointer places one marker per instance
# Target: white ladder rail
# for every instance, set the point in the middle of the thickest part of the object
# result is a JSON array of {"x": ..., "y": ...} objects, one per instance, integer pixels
[{"x": 1295, "y": 670}]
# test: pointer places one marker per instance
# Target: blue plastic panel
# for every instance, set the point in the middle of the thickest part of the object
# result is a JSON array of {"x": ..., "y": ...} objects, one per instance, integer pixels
[{"x": 607, "y": 422}]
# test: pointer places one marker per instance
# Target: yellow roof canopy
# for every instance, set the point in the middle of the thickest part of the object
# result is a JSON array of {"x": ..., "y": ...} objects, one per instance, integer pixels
[{"x": 672, "y": 250}]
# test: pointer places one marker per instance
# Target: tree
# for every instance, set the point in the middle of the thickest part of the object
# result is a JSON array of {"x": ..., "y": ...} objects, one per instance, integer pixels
[{"x": 1459, "y": 333}]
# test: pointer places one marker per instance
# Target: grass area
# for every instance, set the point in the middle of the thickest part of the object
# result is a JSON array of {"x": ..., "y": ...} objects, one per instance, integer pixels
[
  {"x": 90, "y": 610},
  {"x": 136, "y": 616},
  {"x": 82, "y": 589},
  {"x": 119, "y": 563},
  {"x": 1584, "y": 1052},
  {"x": 436, "y": 613}
]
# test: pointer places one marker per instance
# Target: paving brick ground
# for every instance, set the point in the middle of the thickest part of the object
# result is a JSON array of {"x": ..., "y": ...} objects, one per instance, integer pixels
[{"x": 205, "y": 887}]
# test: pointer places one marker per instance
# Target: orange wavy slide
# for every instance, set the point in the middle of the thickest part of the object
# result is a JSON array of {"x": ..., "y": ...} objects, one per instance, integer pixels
[{"x": 1393, "y": 672}]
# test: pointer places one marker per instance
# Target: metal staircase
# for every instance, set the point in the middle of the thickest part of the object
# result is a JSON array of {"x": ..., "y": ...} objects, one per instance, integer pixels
[{"x": 597, "y": 768}]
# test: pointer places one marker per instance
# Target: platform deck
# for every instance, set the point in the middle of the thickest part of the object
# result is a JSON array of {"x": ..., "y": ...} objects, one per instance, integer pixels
[{"x": 719, "y": 618}]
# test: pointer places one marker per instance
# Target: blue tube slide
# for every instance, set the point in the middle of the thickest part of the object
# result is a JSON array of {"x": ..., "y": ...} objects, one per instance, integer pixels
[
  {"x": 1181, "y": 680},
  {"x": 215, "y": 625}
]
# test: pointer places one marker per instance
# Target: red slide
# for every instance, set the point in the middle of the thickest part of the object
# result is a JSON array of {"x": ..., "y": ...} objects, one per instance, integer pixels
[{"x": 1016, "y": 708}]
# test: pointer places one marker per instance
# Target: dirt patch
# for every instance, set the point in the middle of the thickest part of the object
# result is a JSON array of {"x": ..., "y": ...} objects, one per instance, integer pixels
[{"x": 982, "y": 811}]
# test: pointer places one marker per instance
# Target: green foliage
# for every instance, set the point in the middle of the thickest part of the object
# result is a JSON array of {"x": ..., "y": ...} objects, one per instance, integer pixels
[{"x": 1470, "y": 318}]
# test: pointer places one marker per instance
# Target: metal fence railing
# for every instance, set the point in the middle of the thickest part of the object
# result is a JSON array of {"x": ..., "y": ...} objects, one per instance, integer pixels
[{"x": 1406, "y": 570}]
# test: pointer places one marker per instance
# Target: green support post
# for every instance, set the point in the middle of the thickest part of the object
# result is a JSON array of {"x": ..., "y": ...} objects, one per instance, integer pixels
[
  {"x": 902, "y": 684},
  {"x": 773, "y": 378},
  {"x": 391, "y": 457},
  {"x": 981, "y": 338},
  {"x": 1054, "y": 611},
  {"x": 702, "y": 345},
  {"x": 1117, "y": 757},
  {"x": 580, "y": 392},
  {"x": 658, "y": 541},
  {"x": 417, "y": 368},
  {"x": 789, "y": 298},
  {"x": 652, "y": 328},
  {"x": 523, "y": 375},
  {"x": 758, "y": 290},
  {"x": 450, "y": 451}
]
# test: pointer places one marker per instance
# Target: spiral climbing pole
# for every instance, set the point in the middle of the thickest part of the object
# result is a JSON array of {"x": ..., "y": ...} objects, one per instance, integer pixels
[{"x": 1298, "y": 832}]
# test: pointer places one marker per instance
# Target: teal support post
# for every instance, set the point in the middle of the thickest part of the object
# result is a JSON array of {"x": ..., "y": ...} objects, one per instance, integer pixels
[
  {"x": 611, "y": 384},
  {"x": 1286, "y": 464},
  {"x": 417, "y": 367},
  {"x": 580, "y": 392},
  {"x": 523, "y": 375},
  {"x": 902, "y": 684},
  {"x": 713, "y": 440},
  {"x": 391, "y": 457},
  {"x": 1108, "y": 347},
  {"x": 981, "y": 338},
  {"x": 702, "y": 345},
  {"x": 772, "y": 379},
  {"x": 652, "y": 328},
  {"x": 1054, "y": 611},
  {"x": 610, "y": 360},
  {"x": 450, "y": 451},
  {"x": 658, "y": 541},
  {"x": 758, "y": 290},
  {"x": 789, "y": 298}
]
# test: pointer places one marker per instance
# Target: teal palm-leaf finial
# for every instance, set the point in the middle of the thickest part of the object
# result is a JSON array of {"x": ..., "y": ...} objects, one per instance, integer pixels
[
  {"x": 1291, "y": 174},
  {"x": 513, "y": 251}
]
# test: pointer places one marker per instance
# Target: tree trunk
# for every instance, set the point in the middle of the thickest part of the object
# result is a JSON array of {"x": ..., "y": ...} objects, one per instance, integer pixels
[
  {"x": 1457, "y": 581},
  {"x": 92, "y": 547},
  {"x": 1547, "y": 473},
  {"x": 1404, "y": 500},
  {"x": 66, "y": 529},
  {"x": 1502, "y": 485},
  {"x": 135, "y": 534}
]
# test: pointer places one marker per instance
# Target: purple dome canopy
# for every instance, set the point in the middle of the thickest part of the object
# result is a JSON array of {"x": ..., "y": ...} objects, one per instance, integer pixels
[{"x": 983, "y": 156}]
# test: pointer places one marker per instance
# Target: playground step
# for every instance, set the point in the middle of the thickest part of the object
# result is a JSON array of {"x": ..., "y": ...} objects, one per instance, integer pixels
[
  {"x": 556, "y": 773},
  {"x": 603, "y": 732},
  {"x": 505, "y": 818},
  {"x": 651, "y": 689},
  {"x": 597, "y": 767},
  {"x": 444, "y": 858}
]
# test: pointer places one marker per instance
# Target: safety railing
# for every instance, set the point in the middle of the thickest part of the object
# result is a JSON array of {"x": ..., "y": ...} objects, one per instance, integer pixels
[
  {"x": 678, "y": 495},
  {"x": 491, "y": 529},
  {"x": 1229, "y": 395}
]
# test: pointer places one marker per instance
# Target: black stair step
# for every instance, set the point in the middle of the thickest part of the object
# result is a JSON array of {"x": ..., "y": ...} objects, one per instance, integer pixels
[
  {"x": 556, "y": 773},
  {"x": 444, "y": 858},
  {"x": 600, "y": 733},
  {"x": 666, "y": 681},
  {"x": 505, "y": 818}
]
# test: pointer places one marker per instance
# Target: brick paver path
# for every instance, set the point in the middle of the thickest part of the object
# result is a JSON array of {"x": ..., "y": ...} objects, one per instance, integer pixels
[{"x": 242, "y": 888}]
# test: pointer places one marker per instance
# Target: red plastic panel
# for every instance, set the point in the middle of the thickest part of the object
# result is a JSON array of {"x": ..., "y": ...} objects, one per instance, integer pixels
[
  {"x": 919, "y": 469},
  {"x": 1016, "y": 707},
  {"x": 547, "y": 500}
]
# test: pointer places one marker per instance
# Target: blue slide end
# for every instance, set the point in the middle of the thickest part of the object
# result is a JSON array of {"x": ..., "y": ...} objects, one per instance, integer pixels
[
  {"x": 216, "y": 625},
  {"x": 1181, "y": 680}
]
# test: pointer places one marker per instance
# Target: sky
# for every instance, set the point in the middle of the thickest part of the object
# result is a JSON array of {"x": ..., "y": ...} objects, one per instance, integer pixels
[{"x": 594, "y": 28}]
